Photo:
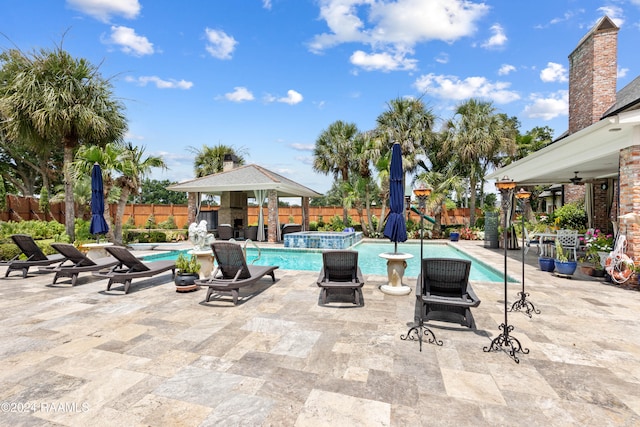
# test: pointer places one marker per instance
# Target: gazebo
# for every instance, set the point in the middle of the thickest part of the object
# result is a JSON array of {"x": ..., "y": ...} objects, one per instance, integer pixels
[{"x": 236, "y": 184}]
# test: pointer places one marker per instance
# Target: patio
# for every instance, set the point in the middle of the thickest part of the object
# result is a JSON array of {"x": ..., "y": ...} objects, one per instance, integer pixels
[{"x": 83, "y": 356}]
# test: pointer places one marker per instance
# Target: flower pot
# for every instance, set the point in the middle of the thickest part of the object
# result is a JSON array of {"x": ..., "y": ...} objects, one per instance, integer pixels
[
  {"x": 186, "y": 282},
  {"x": 566, "y": 268},
  {"x": 454, "y": 236},
  {"x": 546, "y": 264},
  {"x": 603, "y": 257}
]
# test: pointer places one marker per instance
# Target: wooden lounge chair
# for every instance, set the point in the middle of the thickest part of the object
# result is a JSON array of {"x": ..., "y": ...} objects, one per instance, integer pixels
[
  {"x": 35, "y": 256},
  {"x": 340, "y": 271},
  {"x": 132, "y": 268},
  {"x": 232, "y": 272},
  {"x": 445, "y": 293},
  {"x": 76, "y": 262}
]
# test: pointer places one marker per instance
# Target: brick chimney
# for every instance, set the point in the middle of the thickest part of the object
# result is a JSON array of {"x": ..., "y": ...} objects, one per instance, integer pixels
[
  {"x": 229, "y": 162},
  {"x": 592, "y": 75}
]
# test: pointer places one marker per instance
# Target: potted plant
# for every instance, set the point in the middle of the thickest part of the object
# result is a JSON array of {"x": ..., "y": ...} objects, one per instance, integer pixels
[
  {"x": 597, "y": 246},
  {"x": 561, "y": 262},
  {"x": 546, "y": 263},
  {"x": 454, "y": 235},
  {"x": 188, "y": 272}
]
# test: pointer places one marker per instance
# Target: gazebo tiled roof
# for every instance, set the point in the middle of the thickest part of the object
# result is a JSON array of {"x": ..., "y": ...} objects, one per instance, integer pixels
[{"x": 245, "y": 178}]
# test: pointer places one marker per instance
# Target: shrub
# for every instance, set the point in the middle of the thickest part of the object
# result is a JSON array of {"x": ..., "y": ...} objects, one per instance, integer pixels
[
  {"x": 151, "y": 222},
  {"x": 570, "y": 216},
  {"x": 313, "y": 226},
  {"x": 169, "y": 224},
  {"x": 131, "y": 223}
]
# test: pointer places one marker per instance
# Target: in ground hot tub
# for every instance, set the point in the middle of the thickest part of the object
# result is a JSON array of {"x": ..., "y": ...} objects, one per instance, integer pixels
[{"x": 322, "y": 239}]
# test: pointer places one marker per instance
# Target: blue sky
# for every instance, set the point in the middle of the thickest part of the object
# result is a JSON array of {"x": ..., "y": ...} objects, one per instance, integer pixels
[{"x": 268, "y": 76}]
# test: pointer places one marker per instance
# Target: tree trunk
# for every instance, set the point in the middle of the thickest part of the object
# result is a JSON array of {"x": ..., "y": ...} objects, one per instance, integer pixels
[
  {"x": 69, "y": 206},
  {"x": 117, "y": 226},
  {"x": 192, "y": 207},
  {"x": 472, "y": 201}
]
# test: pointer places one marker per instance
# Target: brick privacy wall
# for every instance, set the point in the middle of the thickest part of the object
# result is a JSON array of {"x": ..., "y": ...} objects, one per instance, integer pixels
[
  {"x": 573, "y": 193},
  {"x": 592, "y": 77},
  {"x": 630, "y": 196}
]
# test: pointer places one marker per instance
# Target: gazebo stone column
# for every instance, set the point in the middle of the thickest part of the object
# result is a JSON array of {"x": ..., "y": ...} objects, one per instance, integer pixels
[
  {"x": 305, "y": 214},
  {"x": 630, "y": 196},
  {"x": 272, "y": 216}
]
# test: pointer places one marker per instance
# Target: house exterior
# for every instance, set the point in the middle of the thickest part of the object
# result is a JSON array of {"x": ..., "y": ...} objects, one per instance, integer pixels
[{"x": 598, "y": 159}]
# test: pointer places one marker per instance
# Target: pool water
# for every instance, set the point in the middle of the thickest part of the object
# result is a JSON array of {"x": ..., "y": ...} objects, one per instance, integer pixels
[{"x": 368, "y": 260}]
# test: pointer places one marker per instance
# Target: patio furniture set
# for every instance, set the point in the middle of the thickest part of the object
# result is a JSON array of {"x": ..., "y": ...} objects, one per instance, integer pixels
[{"x": 443, "y": 291}]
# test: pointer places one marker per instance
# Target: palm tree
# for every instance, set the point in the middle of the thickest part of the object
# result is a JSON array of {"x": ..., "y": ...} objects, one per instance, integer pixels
[
  {"x": 475, "y": 134},
  {"x": 49, "y": 97},
  {"x": 123, "y": 168},
  {"x": 210, "y": 160},
  {"x": 409, "y": 123},
  {"x": 333, "y": 154}
]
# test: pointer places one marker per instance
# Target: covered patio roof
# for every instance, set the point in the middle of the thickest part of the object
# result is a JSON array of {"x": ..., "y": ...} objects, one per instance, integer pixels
[
  {"x": 593, "y": 152},
  {"x": 245, "y": 178}
]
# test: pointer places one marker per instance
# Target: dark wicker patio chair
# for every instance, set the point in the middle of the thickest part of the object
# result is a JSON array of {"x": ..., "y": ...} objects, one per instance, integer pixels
[
  {"x": 225, "y": 232},
  {"x": 76, "y": 262},
  {"x": 340, "y": 272},
  {"x": 445, "y": 293},
  {"x": 232, "y": 272},
  {"x": 133, "y": 268},
  {"x": 35, "y": 256}
]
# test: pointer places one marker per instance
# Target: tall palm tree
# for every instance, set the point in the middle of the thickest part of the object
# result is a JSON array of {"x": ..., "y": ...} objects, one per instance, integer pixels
[
  {"x": 49, "y": 97},
  {"x": 477, "y": 133},
  {"x": 124, "y": 167},
  {"x": 409, "y": 123},
  {"x": 333, "y": 154},
  {"x": 210, "y": 160}
]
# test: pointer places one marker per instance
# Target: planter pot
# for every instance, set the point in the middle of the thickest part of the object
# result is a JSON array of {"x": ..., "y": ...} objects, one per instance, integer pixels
[
  {"x": 603, "y": 258},
  {"x": 454, "y": 236},
  {"x": 566, "y": 268},
  {"x": 186, "y": 282},
  {"x": 546, "y": 264}
]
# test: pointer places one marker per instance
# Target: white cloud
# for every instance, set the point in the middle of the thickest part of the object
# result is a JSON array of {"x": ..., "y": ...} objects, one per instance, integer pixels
[
  {"x": 302, "y": 147},
  {"x": 548, "y": 108},
  {"x": 554, "y": 73},
  {"x": 220, "y": 45},
  {"x": 160, "y": 83},
  {"x": 103, "y": 10},
  {"x": 239, "y": 94},
  {"x": 506, "y": 69},
  {"x": 266, "y": 4},
  {"x": 453, "y": 88},
  {"x": 498, "y": 38},
  {"x": 129, "y": 41},
  {"x": 622, "y": 72},
  {"x": 388, "y": 29},
  {"x": 382, "y": 61},
  {"x": 292, "y": 98},
  {"x": 442, "y": 58}
]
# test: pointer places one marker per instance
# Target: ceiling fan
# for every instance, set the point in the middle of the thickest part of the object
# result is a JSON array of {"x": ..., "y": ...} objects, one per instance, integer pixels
[{"x": 576, "y": 180}]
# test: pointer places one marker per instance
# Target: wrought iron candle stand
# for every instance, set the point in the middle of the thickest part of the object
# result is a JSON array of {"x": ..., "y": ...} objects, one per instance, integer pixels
[
  {"x": 419, "y": 331},
  {"x": 504, "y": 341},
  {"x": 523, "y": 302}
]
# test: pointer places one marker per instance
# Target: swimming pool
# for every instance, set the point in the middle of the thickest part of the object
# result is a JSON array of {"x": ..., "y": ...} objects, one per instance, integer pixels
[{"x": 368, "y": 260}]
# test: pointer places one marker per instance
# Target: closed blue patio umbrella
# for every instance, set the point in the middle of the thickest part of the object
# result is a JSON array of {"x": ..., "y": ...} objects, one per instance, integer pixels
[
  {"x": 98, "y": 224},
  {"x": 396, "y": 228}
]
